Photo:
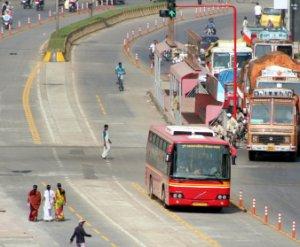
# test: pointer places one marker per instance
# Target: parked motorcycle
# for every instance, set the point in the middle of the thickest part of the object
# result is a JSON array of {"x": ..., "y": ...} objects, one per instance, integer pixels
[
  {"x": 26, "y": 4},
  {"x": 6, "y": 21},
  {"x": 39, "y": 5},
  {"x": 72, "y": 6}
]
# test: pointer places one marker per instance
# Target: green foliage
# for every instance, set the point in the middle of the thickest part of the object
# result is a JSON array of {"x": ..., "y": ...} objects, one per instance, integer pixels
[{"x": 58, "y": 38}]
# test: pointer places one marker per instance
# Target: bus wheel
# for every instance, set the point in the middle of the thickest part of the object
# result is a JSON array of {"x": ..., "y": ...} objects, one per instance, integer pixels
[
  {"x": 251, "y": 155},
  {"x": 163, "y": 198},
  {"x": 150, "y": 189}
]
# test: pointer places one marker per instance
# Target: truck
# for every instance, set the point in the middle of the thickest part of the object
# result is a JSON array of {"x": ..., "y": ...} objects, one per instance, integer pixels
[
  {"x": 266, "y": 40},
  {"x": 273, "y": 122},
  {"x": 269, "y": 71},
  {"x": 272, "y": 88},
  {"x": 222, "y": 56}
]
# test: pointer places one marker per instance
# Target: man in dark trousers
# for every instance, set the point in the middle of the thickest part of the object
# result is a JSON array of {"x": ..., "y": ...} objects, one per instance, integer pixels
[{"x": 80, "y": 233}]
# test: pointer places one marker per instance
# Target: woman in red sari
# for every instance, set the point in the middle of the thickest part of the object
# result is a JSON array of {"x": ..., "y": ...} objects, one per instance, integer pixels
[{"x": 34, "y": 200}]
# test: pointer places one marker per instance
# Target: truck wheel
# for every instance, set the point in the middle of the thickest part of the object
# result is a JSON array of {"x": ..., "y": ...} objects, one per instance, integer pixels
[
  {"x": 292, "y": 156},
  {"x": 251, "y": 155}
]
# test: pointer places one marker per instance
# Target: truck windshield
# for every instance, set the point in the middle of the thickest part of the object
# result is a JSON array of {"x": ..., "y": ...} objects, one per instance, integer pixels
[
  {"x": 261, "y": 113},
  {"x": 295, "y": 86},
  {"x": 197, "y": 161},
  {"x": 271, "y": 11},
  {"x": 242, "y": 58},
  {"x": 283, "y": 113},
  {"x": 221, "y": 60},
  {"x": 261, "y": 50},
  {"x": 287, "y": 49}
]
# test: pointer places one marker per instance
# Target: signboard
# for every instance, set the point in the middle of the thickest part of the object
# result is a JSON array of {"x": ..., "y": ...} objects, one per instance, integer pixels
[
  {"x": 274, "y": 92},
  {"x": 278, "y": 71},
  {"x": 271, "y": 35},
  {"x": 194, "y": 44},
  {"x": 280, "y": 4}
]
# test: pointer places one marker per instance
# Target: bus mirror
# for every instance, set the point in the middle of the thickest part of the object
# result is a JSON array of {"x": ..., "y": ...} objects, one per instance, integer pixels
[
  {"x": 168, "y": 157},
  {"x": 169, "y": 153},
  {"x": 170, "y": 149}
]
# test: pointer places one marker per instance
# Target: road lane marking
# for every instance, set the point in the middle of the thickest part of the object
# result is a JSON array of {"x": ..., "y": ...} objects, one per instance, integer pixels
[
  {"x": 199, "y": 233},
  {"x": 142, "y": 204},
  {"x": 98, "y": 210},
  {"x": 81, "y": 111},
  {"x": 26, "y": 105},
  {"x": 101, "y": 105}
]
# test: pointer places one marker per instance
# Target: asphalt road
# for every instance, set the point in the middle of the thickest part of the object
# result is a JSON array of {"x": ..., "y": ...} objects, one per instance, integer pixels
[{"x": 109, "y": 194}]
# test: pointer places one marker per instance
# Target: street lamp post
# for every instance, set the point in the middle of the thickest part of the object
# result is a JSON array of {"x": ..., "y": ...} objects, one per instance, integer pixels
[
  {"x": 234, "y": 19},
  {"x": 57, "y": 14}
]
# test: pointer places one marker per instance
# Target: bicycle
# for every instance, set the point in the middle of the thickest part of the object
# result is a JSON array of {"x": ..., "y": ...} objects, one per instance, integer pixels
[{"x": 121, "y": 82}]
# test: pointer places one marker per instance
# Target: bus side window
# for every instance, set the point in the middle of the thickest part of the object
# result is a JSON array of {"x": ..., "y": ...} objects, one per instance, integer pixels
[
  {"x": 150, "y": 137},
  {"x": 165, "y": 145}
]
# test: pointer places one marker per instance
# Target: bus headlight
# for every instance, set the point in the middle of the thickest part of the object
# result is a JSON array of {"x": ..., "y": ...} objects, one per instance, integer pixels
[
  {"x": 223, "y": 197},
  {"x": 177, "y": 195},
  {"x": 254, "y": 138},
  {"x": 287, "y": 139}
]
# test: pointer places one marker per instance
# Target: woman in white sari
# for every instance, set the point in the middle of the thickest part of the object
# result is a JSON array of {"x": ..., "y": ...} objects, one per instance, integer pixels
[{"x": 49, "y": 199}]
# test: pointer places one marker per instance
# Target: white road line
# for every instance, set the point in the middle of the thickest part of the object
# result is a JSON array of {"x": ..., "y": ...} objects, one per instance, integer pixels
[
  {"x": 142, "y": 204},
  {"x": 43, "y": 111},
  {"x": 89, "y": 201},
  {"x": 80, "y": 108},
  {"x": 84, "y": 197}
]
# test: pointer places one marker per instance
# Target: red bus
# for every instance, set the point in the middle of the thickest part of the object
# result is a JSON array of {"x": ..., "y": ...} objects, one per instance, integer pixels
[{"x": 187, "y": 166}]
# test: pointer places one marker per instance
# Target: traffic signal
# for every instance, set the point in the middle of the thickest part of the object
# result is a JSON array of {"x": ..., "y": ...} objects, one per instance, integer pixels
[
  {"x": 171, "y": 5},
  {"x": 171, "y": 11}
]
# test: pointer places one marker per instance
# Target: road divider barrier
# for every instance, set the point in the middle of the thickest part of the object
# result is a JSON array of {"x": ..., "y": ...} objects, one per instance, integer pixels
[
  {"x": 266, "y": 215},
  {"x": 254, "y": 206},
  {"x": 294, "y": 230},
  {"x": 34, "y": 21},
  {"x": 63, "y": 39},
  {"x": 241, "y": 200},
  {"x": 54, "y": 56},
  {"x": 279, "y": 222}
]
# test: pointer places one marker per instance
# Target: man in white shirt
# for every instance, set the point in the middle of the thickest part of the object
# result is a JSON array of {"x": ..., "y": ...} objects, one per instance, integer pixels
[
  {"x": 257, "y": 12},
  {"x": 106, "y": 142}
]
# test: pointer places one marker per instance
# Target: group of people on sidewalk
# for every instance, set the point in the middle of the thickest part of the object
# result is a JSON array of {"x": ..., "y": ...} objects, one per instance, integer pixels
[{"x": 52, "y": 200}]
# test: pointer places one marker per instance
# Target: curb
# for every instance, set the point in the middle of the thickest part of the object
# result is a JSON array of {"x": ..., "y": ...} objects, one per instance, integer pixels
[{"x": 56, "y": 56}]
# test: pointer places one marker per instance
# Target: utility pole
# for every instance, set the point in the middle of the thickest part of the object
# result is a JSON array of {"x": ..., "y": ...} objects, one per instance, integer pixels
[{"x": 57, "y": 15}]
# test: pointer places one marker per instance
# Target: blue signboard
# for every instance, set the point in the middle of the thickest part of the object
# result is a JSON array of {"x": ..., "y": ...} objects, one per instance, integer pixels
[{"x": 269, "y": 35}]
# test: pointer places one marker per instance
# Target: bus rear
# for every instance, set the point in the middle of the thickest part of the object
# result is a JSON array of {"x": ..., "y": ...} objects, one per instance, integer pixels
[{"x": 195, "y": 170}]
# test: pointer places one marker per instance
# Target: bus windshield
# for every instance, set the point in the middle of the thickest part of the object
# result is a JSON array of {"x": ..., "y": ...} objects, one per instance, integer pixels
[
  {"x": 283, "y": 113},
  {"x": 261, "y": 50},
  {"x": 221, "y": 60},
  {"x": 271, "y": 11},
  {"x": 197, "y": 161},
  {"x": 242, "y": 58},
  {"x": 261, "y": 113}
]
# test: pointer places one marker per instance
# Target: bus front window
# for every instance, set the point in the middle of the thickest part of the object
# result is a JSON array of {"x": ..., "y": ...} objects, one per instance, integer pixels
[
  {"x": 197, "y": 161},
  {"x": 283, "y": 113},
  {"x": 260, "y": 113},
  {"x": 221, "y": 60},
  {"x": 242, "y": 58}
]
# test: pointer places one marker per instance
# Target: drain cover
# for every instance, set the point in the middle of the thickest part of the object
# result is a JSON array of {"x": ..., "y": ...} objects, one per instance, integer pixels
[{"x": 21, "y": 171}]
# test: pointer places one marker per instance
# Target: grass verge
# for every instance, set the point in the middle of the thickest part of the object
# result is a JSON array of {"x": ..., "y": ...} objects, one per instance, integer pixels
[{"x": 58, "y": 38}]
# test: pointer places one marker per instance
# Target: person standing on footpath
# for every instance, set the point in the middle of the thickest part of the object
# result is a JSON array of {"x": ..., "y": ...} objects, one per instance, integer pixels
[
  {"x": 60, "y": 201},
  {"x": 49, "y": 200},
  {"x": 257, "y": 13},
  {"x": 80, "y": 233},
  {"x": 106, "y": 142},
  {"x": 34, "y": 201}
]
